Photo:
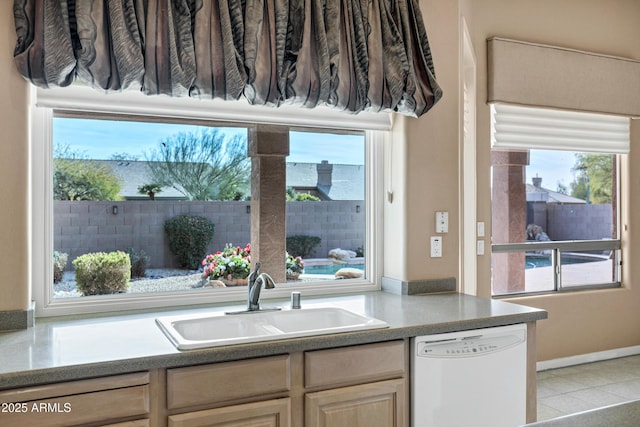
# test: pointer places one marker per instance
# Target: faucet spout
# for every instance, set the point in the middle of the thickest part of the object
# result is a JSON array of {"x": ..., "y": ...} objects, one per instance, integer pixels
[{"x": 256, "y": 281}]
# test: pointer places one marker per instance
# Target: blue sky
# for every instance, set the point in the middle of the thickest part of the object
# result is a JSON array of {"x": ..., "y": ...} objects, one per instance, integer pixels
[
  {"x": 100, "y": 139},
  {"x": 552, "y": 166}
]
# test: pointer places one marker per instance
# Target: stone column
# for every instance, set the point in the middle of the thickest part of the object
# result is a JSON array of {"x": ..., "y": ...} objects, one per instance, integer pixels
[
  {"x": 268, "y": 148},
  {"x": 509, "y": 218}
]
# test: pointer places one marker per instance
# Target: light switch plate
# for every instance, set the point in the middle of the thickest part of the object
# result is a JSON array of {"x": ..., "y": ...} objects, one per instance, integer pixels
[
  {"x": 442, "y": 222},
  {"x": 480, "y": 229}
]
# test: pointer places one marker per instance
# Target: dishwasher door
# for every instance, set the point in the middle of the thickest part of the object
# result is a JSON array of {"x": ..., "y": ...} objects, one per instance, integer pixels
[{"x": 472, "y": 378}]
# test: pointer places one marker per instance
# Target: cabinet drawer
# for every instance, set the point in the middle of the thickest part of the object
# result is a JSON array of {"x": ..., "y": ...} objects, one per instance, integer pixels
[
  {"x": 80, "y": 408},
  {"x": 136, "y": 423},
  {"x": 222, "y": 382},
  {"x": 354, "y": 365}
]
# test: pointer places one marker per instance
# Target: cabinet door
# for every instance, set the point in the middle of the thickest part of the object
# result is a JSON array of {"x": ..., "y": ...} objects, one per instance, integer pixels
[
  {"x": 270, "y": 413},
  {"x": 380, "y": 404}
]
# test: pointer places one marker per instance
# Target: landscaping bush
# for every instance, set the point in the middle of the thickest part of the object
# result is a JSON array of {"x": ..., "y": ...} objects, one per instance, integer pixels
[
  {"x": 189, "y": 236},
  {"x": 139, "y": 261},
  {"x": 59, "y": 264},
  {"x": 101, "y": 273},
  {"x": 302, "y": 245}
]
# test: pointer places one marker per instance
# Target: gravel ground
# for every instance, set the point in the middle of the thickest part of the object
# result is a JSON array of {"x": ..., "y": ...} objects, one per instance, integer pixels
[{"x": 157, "y": 280}]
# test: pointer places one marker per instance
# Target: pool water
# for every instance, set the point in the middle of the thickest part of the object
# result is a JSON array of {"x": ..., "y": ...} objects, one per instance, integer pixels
[
  {"x": 330, "y": 268},
  {"x": 545, "y": 261}
]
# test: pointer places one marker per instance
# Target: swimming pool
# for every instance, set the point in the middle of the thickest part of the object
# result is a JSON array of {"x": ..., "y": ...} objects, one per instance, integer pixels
[
  {"x": 329, "y": 268},
  {"x": 535, "y": 261}
]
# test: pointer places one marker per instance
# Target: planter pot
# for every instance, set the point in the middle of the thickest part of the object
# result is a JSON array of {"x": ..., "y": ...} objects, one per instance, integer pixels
[
  {"x": 234, "y": 282},
  {"x": 293, "y": 276}
]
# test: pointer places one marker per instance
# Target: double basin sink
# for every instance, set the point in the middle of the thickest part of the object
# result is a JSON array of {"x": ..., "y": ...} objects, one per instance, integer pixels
[{"x": 195, "y": 331}]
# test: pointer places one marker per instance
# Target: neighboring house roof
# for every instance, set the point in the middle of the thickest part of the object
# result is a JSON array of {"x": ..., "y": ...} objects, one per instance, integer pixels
[
  {"x": 135, "y": 173},
  {"x": 337, "y": 182},
  {"x": 539, "y": 194},
  {"x": 340, "y": 182}
]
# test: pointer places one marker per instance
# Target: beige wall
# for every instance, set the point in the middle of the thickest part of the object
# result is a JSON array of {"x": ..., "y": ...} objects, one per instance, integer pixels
[
  {"x": 424, "y": 170},
  {"x": 427, "y": 177},
  {"x": 14, "y": 173},
  {"x": 581, "y": 322}
]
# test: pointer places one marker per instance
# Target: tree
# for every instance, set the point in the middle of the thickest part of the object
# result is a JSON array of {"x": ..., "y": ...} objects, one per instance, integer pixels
[
  {"x": 562, "y": 189},
  {"x": 150, "y": 190},
  {"x": 206, "y": 165},
  {"x": 594, "y": 180},
  {"x": 77, "y": 178}
]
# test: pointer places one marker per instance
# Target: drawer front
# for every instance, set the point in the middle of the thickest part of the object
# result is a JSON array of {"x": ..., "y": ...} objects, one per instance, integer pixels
[
  {"x": 136, "y": 423},
  {"x": 79, "y": 409},
  {"x": 354, "y": 365},
  {"x": 271, "y": 413},
  {"x": 222, "y": 382}
]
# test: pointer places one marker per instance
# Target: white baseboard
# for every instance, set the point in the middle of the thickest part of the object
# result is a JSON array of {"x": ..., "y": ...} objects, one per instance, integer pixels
[{"x": 563, "y": 362}]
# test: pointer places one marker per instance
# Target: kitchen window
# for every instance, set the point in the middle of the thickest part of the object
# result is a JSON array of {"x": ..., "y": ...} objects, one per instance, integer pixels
[
  {"x": 555, "y": 200},
  {"x": 331, "y": 205}
]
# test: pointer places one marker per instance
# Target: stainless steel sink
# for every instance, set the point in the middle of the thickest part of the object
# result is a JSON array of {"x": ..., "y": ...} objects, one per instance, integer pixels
[{"x": 200, "y": 331}]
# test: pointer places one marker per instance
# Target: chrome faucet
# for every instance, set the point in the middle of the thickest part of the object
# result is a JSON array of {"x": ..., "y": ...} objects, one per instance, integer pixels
[{"x": 255, "y": 282}]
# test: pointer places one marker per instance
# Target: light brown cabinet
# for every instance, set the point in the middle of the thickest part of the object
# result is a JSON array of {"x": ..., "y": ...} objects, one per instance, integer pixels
[
  {"x": 362, "y": 386},
  {"x": 357, "y": 386},
  {"x": 119, "y": 401},
  {"x": 378, "y": 404},
  {"x": 270, "y": 413},
  {"x": 228, "y": 382}
]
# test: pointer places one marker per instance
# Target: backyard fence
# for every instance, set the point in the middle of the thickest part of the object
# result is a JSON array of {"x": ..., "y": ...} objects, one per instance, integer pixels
[
  {"x": 572, "y": 221},
  {"x": 88, "y": 226}
]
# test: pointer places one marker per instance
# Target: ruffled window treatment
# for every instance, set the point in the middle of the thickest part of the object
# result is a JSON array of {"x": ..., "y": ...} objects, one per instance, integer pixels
[{"x": 353, "y": 55}]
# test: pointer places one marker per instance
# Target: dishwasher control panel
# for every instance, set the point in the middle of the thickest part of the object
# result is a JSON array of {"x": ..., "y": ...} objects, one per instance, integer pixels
[{"x": 468, "y": 346}]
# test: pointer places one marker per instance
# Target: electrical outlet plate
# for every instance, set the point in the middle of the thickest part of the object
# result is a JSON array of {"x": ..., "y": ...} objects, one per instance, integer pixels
[{"x": 436, "y": 246}]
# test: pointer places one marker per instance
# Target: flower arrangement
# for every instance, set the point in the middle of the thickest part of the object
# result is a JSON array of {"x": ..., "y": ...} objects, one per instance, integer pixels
[
  {"x": 295, "y": 266},
  {"x": 233, "y": 262}
]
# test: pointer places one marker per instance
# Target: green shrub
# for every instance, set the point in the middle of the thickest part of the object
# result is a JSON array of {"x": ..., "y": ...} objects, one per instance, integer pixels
[
  {"x": 139, "y": 261},
  {"x": 302, "y": 245},
  {"x": 293, "y": 196},
  {"x": 188, "y": 239},
  {"x": 103, "y": 273},
  {"x": 59, "y": 264}
]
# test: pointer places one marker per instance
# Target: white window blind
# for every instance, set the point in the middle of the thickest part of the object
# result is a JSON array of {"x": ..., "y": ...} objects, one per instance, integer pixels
[
  {"x": 524, "y": 128},
  {"x": 82, "y": 98}
]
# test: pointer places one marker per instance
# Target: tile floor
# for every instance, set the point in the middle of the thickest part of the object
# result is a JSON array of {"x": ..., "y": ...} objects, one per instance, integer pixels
[{"x": 579, "y": 388}]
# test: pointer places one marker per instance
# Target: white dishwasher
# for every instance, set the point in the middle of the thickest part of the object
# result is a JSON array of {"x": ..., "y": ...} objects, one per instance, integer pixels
[{"x": 472, "y": 378}]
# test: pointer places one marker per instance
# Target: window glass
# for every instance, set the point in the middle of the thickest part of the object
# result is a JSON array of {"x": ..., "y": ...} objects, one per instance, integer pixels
[
  {"x": 175, "y": 199},
  {"x": 541, "y": 198},
  {"x": 326, "y": 204}
]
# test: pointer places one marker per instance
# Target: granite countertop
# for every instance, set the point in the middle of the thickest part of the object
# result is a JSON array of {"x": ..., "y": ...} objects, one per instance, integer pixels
[
  {"x": 71, "y": 348},
  {"x": 620, "y": 415}
]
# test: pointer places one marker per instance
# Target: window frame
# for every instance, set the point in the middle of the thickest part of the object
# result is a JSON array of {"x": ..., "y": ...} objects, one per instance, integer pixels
[
  {"x": 86, "y": 102},
  {"x": 559, "y": 246}
]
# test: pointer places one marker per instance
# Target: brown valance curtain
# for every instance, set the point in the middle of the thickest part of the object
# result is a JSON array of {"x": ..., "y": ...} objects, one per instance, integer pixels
[{"x": 353, "y": 55}]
